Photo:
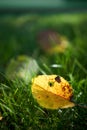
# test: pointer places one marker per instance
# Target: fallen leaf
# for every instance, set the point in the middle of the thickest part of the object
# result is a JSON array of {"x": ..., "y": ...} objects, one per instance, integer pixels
[{"x": 52, "y": 91}]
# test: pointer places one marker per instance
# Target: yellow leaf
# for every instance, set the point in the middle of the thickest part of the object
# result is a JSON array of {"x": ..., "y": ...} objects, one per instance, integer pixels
[
  {"x": 52, "y": 91},
  {"x": 1, "y": 117}
]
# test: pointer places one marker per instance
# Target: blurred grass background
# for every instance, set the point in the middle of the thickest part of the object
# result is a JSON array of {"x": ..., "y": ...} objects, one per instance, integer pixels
[{"x": 18, "y": 35}]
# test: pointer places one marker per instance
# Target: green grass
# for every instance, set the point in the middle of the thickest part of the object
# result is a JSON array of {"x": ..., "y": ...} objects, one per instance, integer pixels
[{"x": 17, "y": 106}]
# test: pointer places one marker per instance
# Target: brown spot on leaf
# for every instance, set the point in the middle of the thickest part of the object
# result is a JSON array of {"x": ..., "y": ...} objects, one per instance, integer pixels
[
  {"x": 50, "y": 84},
  {"x": 63, "y": 88},
  {"x": 39, "y": 97},
  {"x": 58, "y": 79},
  {"x": 47, "y": 96}
]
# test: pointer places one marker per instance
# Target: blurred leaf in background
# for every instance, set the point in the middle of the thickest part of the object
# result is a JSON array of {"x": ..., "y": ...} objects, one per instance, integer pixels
[
  {"x": 23, "y": 67},
  {"x": 51, "y": 42}
]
